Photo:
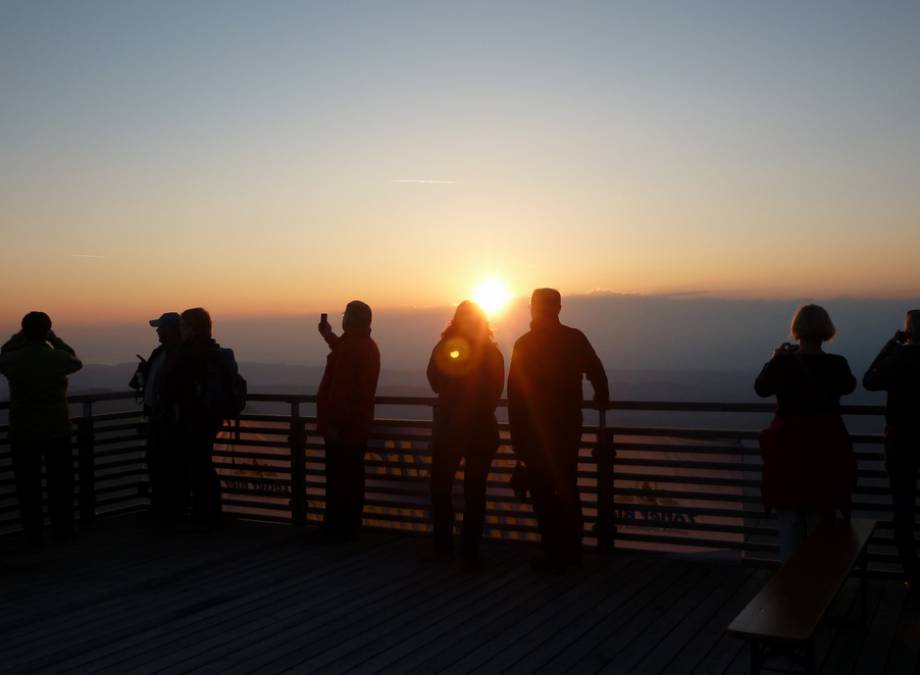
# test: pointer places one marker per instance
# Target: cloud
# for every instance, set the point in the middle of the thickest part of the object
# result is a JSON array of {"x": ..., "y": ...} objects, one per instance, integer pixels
[{"x": 424, "y": 181}]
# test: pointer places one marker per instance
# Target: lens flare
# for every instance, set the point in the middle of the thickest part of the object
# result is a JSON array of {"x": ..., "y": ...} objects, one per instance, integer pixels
[{"x": 492, "y": 295}]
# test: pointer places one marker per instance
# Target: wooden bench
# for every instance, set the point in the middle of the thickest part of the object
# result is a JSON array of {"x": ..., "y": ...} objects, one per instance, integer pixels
[{"x": 782, "y": 618}]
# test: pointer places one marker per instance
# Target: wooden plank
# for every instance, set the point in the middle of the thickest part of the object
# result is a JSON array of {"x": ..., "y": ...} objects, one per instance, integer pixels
[
  {"x": 250, "y": 592},
  {"x": 393, "y": 621},
  {"x": 555, "y": 615},
  {"x": 234, "y": 626},
  {"x": 692, "y": 627},
  {"x": 792, "y": 604}
]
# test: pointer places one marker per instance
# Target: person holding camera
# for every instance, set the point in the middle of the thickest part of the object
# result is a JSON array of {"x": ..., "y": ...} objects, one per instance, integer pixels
[
  {"x": 37, "y": 362},
  {"x": 809, "y": 469},
  {"x": 167, "y": 501},
  {"x": 467, "y": 372},
  {"x": 344, "y": 416},
  {"x": 896, "y": 370}
]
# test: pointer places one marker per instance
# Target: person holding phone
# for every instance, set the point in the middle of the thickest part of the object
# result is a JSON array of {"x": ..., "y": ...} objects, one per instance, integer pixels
[
  {"x": 809, "y": 469},
  {"x": 896, "y": 370},
  {"x": 345, "y": 414}
]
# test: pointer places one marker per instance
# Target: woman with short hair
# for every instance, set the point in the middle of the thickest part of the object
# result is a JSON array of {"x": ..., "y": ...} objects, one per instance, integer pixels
[{"x": 809, "y": 469}]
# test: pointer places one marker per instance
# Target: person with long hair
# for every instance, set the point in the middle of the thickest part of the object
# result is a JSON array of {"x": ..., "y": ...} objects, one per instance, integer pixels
[
  {"x": 467, "y": 372},
  {"x": 809, "y": 469}
]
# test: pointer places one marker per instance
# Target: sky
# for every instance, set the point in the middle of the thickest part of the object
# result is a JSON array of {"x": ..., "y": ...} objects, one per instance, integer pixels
[{"x": 267, "y": 159}]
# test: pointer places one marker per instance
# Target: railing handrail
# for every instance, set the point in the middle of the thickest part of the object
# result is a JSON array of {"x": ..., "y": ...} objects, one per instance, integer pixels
[{"x": 614, "y": 405}]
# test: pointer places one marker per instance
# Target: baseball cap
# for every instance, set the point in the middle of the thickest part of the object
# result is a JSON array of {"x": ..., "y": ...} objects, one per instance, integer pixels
[{"x": 167, "y": 319}]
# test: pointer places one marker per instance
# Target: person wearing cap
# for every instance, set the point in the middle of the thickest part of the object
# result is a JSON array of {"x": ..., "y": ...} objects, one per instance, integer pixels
[
  {"x": 345, "y": 413},
  {"x": 548, "y": 365},
  {"x": 166, "y": 499},
  {"x": 37, "y": 362}
]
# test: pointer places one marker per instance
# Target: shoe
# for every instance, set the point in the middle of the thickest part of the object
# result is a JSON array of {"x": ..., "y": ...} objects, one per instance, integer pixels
[
  {"x": 542, "y": 563},
  {"x": 326, "y": 537},
  {"x": 470, "y": 564},
  {"x": 433, "y": 555}
]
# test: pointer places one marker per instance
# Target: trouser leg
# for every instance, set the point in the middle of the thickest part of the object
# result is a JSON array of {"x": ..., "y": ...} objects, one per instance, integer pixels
[
  {"x": 444, "y": 462},
  {"x": 203, "y": 479},
  {"x": 344, "y": 486},
  {"x": 570, "y": 502},
  {"x": 356, "y": 485},
  {"x": 476, "y": 468},
  {"x": 902, "y": 475},
  {"x": 547, "y": 508},
  {"x": 27, "y": 468},
  {"x": 59, "y": 474},
  {"x": 155, "y": 467}
]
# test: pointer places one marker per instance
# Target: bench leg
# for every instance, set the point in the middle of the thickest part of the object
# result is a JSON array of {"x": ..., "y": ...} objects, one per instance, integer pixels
[
  {"x": 755, "y": 657},
  {"x": 810, "y": 657},
  {"x": 864, "y": 585}
]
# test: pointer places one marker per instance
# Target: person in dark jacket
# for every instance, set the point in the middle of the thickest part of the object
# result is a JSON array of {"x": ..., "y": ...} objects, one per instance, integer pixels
[
  {"x": 809, "y": 469},
  {"x": 37, "y": 362},
  {"x": 467, "y": 372},
  {"x": 345, "y": 414},
  {"x": 198, "y": 377},
  {"x": 897, "y": 370},
  {"x": 545, "y": 412},
  {"x": 166, "y": 500}
]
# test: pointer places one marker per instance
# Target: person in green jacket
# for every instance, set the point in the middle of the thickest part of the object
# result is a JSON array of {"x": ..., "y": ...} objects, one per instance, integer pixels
[{"x": 37, "y": 362}]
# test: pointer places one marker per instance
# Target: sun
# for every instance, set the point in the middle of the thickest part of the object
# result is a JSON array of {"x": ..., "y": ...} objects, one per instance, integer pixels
[{"x": 492, "y": 295}]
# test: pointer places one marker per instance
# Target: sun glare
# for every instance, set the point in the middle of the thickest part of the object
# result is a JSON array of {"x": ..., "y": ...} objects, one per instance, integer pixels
[{"x": 492, "y": 295}]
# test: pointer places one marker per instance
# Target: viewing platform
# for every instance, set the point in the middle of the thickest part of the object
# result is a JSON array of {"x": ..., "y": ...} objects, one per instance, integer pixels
[
  {"x": 255, "y": 598},
  {"x": 677, "y": 543}
]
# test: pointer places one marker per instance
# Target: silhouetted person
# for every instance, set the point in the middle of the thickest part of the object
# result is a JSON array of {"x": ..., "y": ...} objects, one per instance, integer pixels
[
  {"x": 467, "y": 372},
  {"x": 544, "y": 408},
  {"x": 37, "y": 362},
  {"x": 897, "y": 370},
  {"x": 809, "y": 470},
  {"x": 167, "y": 501},
  {"x": 197, "y": 387},
  {"x": 345, "y": 414}
]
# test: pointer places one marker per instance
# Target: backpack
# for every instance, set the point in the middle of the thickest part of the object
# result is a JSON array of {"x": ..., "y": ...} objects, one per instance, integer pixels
[{"x": 224, "y": 389}]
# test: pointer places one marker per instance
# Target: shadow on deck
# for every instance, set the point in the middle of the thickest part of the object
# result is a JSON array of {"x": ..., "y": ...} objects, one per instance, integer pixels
[{"x": 255, "y": 598}]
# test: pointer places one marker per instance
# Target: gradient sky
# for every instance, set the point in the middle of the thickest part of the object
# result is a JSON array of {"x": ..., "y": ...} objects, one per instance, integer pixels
[{"x": 278, "y": 158}]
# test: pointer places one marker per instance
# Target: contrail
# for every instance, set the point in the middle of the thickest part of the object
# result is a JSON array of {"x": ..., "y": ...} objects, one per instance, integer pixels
[
  {"x": 424, "y": 181},
  {"x": 89, "y": 255}
]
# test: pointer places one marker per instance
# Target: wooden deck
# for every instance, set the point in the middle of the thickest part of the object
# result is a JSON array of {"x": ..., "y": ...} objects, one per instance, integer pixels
[{"x": 255, "y": 598}]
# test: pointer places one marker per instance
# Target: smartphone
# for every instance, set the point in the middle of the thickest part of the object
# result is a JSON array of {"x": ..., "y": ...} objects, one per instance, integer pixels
[{"x": 324, "y": 318}]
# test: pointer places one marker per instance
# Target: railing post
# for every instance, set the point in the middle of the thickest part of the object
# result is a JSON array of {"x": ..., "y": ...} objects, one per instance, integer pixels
[
  {"x": 86, "y": 460},
  {"x": 604, "y": 455},
  {"x": 298, "y": 441}
]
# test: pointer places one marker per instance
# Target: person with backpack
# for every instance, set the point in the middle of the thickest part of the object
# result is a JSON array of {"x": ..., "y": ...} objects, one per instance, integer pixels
[
  {"x": 167, "y": 502},
  {"x": 203, "y": 388},
  {"x": 809, "y": 469},
  {"x": 896, "y": 370},
  {"x": 37, "y": 362},
  {"x": 345, "y": 414}
]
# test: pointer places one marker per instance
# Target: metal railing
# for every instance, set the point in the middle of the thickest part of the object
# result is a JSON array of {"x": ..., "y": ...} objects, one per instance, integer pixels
[{"x": 678, "y": 488}]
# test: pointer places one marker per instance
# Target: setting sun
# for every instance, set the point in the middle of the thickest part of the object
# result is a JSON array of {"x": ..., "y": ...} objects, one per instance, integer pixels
[{"x": 492, "y": 295}]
